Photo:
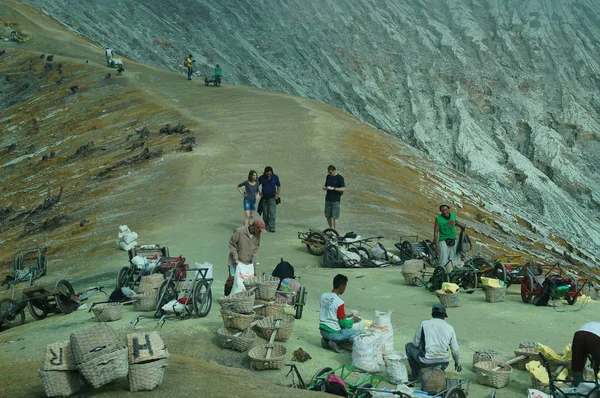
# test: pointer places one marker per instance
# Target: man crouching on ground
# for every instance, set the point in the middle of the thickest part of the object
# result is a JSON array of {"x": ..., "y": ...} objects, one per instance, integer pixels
[
  {"x": 334, "y": 325},
  {"x": 429, "y": 348}
]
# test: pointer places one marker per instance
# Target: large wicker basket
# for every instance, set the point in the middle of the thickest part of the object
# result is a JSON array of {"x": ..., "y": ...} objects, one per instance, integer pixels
[
  {"x": 266, "y": 326},
  {"x": 485, "y": 355},
  {"x": 493, "y": 378},
  {"x": 146, "y": 301},
  {"x": 151, "y": 283},
  {"x": 270, "y": 308},
  {"x": 105, "y": 368},
  {"x": 538, "y": 385},
  {"x": 241, "y": 343},
  {"x": 266, "y": 286},
  {"x": 258, "y": 357},
  {"x": 90, "y": 343},
  {"x": 108, "y": 312},
  {"x": 494, "y": 294},
  {"x": 532, "y": 354},
  {"x": 146, "y": 376},
  {"x": 59, "y": 383},
  {"x": 242, "y": 302},
  {"x": 236, "y": 321},
  {"x": 412, "y": 278},
  {"x": 59, "y": 356},
  {"x": 449, "y": 300}
]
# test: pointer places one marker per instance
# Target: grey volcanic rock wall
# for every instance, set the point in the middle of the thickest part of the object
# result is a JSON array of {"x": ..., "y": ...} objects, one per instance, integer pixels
[{"x": 505, "y": 91}]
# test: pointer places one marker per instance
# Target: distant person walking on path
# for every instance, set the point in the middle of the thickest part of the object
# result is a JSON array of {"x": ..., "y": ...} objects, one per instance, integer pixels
[
  {"x": 243, "y": 247},
  {"x": 189, "y": 64},
  {"x": 218, "y": 75},
  {"x": 444, "y": 236},
  {"x": 335, "y": 187},
  {"x": 250, "y": 193},
  {"x": 269, "y": 197},
  {"x": 108, "y": 53}
]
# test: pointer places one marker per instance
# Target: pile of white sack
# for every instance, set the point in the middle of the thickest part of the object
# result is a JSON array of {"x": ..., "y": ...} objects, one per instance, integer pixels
[
  {"x": 127, "y": 238},
  {"x": 374, "y": 350}
]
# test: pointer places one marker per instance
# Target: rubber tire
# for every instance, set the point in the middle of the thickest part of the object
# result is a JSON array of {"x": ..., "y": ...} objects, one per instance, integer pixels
[
  {"x": 202, "y": 298},
  {"x": 18, "y": 319},
  {"x": 572, "y": 299},
  {"x": 529, "y": 281},
  {"x": 365, "y": 252},
  {"x": 300, "y": 302},
  {"x": 330, "y": 233},
  {"x": 122, "y": 276},
  {"x": 406, "y": 251},
  {"x": 469, "y": 282},
  {"x": 33, "y": 310},
  {"x": 331, "y": 256},
  {"x": 316, "y": 237},
  {"x": 314, "y": 378},
  {"x": 170, "y": 294},
  {"x": 439, "y": 276},
  {"x": 455, "y": 392},
  {"x": 500, "y": 272},
  {"x": 65, "y": 305}
]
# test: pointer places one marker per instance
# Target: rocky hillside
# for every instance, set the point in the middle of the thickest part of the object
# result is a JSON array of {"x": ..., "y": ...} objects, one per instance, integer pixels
[{"x": 504, "y": 91}]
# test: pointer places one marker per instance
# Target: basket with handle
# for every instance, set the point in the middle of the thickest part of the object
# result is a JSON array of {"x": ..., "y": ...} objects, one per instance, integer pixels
[
  {"x": 105, "y": 368},
  {"x": 485, "y": 355},
  {"x": 412, "y": 278},
  {"x": 242, "y": 302},
  {"x": 532, "y": 355},
  {"x": 59, "y": 383},
  {"x": 151, "y": 283},
  {"x": 90, "y": 343},
  {"x": 488, "y": 375},
  {"x": 266, "y": 286},
  {"x": 236, "y": 321},
  {"x": 494, "y": 294},
  {"x": 146, "y": 301},
  {"x": 108, "y": 312},
  {"x": 234, "y": 339},
  {"x": 284, "y": 330},
  {"x": 146, "y": 376},
  {"x": 258, "y": 357},
  {"x": 449, "y": 300},
  {"x": 270, "y": 308},
  {"x": 59, "y": 356}
]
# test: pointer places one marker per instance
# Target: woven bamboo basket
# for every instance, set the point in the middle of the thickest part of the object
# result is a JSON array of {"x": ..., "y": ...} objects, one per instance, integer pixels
[
  {"x": 266, "y": 286},
  {"x": 266, "y": 326},
  {"x": 485, "y": 355},
  {"x": 412, "y": 278},
  {"x": 239, "y": 343},
  {"x": 533, "y": 356},
  {"x": 90, "y": 343},
  {"x": 59, "y": 356},
  {"x": 449, "y": 300},
  {"x": 270, "y": 308},
  {"x": 538, "y": 385},
  {"x": 151, "y": 283},
  {"x": 105, "y": 368},
  {"x": 242, "y": 302},
  {"x": 236, "y": 321},
  {"x": 146, "y": 376},
  {"x": 258, "y": 357},
  {"x": 145, "y": 347},
  {"x": 493, "y": 378},
  {"x": 59, "y": 383},
  {"x": 494, "y": 294},
  {"x": 108, "y": 312},
  {"x": 146, "y": 301}
]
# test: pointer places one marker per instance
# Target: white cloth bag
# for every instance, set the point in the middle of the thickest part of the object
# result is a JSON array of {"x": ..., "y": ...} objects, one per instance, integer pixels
[{"x": 242, "y": 273}]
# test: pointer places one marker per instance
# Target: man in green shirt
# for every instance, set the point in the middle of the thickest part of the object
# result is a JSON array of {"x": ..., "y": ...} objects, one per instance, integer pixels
[
  {"x": 218, "y": 73},
  {"x": 444, "y": 236}
]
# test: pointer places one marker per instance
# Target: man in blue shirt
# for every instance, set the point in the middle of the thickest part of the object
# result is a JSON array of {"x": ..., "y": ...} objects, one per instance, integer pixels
[{"x": 269, "y": 196}]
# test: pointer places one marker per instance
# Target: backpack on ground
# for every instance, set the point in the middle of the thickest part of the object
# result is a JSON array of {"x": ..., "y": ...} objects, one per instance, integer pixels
[{"x": 283, "y": 270}]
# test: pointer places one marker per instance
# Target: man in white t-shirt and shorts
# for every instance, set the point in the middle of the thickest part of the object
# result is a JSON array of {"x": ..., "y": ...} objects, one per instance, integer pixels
[{"x": 334, "y": 325}]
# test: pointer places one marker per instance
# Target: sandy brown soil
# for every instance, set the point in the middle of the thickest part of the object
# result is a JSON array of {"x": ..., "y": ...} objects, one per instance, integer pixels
[{"x": 189, "y": 203}]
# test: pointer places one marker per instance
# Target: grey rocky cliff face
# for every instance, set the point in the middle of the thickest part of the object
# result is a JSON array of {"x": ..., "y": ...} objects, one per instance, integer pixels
[{"x": 504, "y": 91}]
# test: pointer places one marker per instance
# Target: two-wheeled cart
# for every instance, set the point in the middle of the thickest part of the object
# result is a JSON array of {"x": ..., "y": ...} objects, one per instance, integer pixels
[
  {"x": 553, "y": 280},
  {"x": 131, "y": 275},
  {"x": 316, "y": 241}
]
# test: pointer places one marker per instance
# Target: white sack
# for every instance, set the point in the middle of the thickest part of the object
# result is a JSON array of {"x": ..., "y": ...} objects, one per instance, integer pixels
[
  {"x": 129, "y": 237},
  {"x": 139, "y": 261},
  {"x": 395, "y": 368},
  {"x": 173, "y": 306},
  {"x": 242, "y": 272},
  {"x": 363, "y": 353}
]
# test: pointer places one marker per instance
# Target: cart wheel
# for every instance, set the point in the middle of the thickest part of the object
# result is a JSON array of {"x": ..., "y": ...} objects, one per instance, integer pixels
[
  {"x": 361, "y": 251},
  {"x": 316, "y": 237},
  {"x": 406, "y": 251},
  {"x": 468, "y": 281},
  {"x": 527, "y": 288},
  {"x": 301, "y": 300},
  {"x": 65, "y": 298},
  {"x": 363, "y": 394},
  {"x": 38, "y": 309},
  {"x": 315, "y": 383},
  {"x": 166, "y": 293},
  {"x": 455, "y": 392},
  {"x": 439, "y": 276},
  {"x": 331, "y": 234},
  {"x": 572, "y": 299},
  {"x": 10, "y": 313},
  {"x": 500, "y": 272},
  {"x": 331, "y": 256},
  {"x": 165, "y": 251},
  {"x": 202, "y": 298},
  {"x": 123, "y": 277}
]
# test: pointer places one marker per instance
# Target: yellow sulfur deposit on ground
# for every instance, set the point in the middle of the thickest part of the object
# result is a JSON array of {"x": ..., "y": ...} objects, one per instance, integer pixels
[{"x": 540, "y": 373}]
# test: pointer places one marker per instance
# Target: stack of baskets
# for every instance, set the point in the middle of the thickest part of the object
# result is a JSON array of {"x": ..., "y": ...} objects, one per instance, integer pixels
[
  {"x": 266, "y": 286},
  {"x": 449, "y": 300},
  {"x": 148, "y": 292},
  {"x": 99, "y": 355},
  {"x": 529, "y": 349},
  {"x": 237, "y": 311},
  {"x": 108, "y": 312},
  {"x": 147, "y": 361},
  {"x": 59, "y": 374},
  {"x": 488, "y": 375},
  {"x": 412, "y": 271},
  {"x": 494, "y": 294}
]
